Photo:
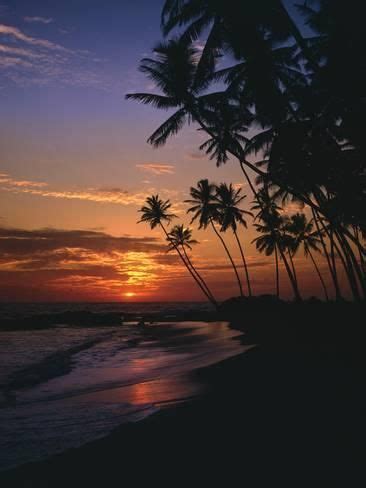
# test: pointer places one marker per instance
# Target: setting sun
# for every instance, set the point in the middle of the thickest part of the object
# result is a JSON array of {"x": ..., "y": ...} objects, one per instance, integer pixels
[{"x": 130, "y": 294}]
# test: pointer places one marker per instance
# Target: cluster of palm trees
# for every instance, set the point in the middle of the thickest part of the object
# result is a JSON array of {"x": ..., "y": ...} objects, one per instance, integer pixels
[
  {"x": 218, "y": 207},
  {"x": 302, "y": 97}
]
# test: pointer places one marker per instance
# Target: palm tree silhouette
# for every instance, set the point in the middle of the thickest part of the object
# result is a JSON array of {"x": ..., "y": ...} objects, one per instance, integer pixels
[
  {"x": 205, "y": 209},
  {"x": 290, "y": 98},
  {"x": 273, "y": 238},
  {"x": 181, "y": 236},
  {"x": 269, "y": 212},
  {"x": 289, "y": 243},
  {"x": 230, "y": 215},
  {"x": 173, "y": 71},
  {"x": 268, "y": 242},
  {"x": 155, "y": 212},
  {"x": 303, "y": 232}
]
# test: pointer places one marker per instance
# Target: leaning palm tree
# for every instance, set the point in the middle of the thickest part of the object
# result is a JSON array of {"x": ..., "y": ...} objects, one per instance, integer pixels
[
  {"x": 268, "y": 243},
  {"x": 181, "y": 237},
  {"x": 155, "y": 212},
  {"x": 269, "y": 213},
  {"x": 289, "y": 243},
  {"x": 173, "y": 70},
  {"x": 272, "y": 239},
  {"x": 303, "y": 232},
  {"x": 230, "y": 215},
  {"x": 205, "y": 209}
]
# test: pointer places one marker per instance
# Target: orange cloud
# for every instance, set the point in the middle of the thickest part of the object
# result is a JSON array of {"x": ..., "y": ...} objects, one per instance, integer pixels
[
  {"x": 52, "y": 263},
  {"x": 100, "y": 195}
]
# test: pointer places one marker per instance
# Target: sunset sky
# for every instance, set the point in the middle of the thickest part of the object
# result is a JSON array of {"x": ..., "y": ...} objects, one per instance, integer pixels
[{"x": 75, "y": 166}]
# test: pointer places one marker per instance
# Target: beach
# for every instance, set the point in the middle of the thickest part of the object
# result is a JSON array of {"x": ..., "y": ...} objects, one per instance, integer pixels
[
  {"x": 293, "y": 415},
  {"x": 65, "y": 384}
]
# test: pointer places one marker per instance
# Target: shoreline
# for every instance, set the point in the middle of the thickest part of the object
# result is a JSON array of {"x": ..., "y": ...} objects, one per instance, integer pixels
[{"x": 291, "y": 410}]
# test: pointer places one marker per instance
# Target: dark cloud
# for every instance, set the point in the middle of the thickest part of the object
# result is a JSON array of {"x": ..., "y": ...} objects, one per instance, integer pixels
[{"x": 19, "y": 242}]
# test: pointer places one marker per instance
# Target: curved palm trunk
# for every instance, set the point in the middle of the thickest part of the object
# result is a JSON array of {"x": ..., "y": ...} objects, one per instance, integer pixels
[
  {"x": 198, "y": 275},
  {"x": 346, "y": 265},
  {"x": 332, "y": 256},
  {"x": 334, "y": 247},
  {"x": 249, "y": 180},
  {"x": 229, "y": 256},
  {"x": 290, "y": 275},
  {"x": 319, "y": 274},
  {"x": 244, "y": 263},
  {"x": 298, "y": 195},
  {"x": 293, "y": 267},
  {"x": 277, "y": 274},
  {"x": 344, "y": 251},
  {"x": 353, "y": 262},
  {"x": 360, "y": 255},
  {"x": 188, "y": 268},
  {"x": 326, "y": 254}
]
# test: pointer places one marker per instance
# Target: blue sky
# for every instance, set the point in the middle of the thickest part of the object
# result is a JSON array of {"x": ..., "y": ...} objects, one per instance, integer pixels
[{"x": 74, "y": 159}]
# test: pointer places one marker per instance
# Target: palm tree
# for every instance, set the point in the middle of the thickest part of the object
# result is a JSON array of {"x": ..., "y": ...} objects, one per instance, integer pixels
[
  {"x": 289, "y": 243},
  {"x": 181, "y": 236},
  {"x": 232, "y": 21},
  {"x": 230, "y": 215},
  {"x": 155, "y": 212},
  {"x": 299, "y": 94},
  {"x": 174, "y": 72},
  {"x": 205, "y": 209},
  {"x": 321, "y": 100},
  {"x": 268, "y": 242},
  {"x": 269, "y": 213},
  {"x": 303, "y": 232},
  {"x": 274, "y": 239}
]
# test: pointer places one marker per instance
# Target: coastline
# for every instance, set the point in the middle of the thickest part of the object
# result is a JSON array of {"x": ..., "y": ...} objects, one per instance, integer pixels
[{"x": 287, "y": 411}]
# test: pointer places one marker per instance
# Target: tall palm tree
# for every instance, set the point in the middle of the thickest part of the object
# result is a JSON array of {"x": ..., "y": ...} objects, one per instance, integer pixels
[
  {"x": 322, "y": 101},
  {"x": 155, "y": 212},
  {"x": 205, "y": 209},
  {"x": 232, "y": 21},
  {"x": 174, "y": 71},
  {"x": 289, "y": 243},
  {"x": 333, "y": 272},
  {"x": 273, "y": 239},
  {"x": 230, "y": 215},
  {"x": 269, "y": 213},
  {"x": 268, "y": 242},
  {"x": 303, "y": 232},
  {"x": 181, "y": 237}
]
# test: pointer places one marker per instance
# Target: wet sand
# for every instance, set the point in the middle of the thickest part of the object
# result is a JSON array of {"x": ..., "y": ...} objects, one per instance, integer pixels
[{"x": 282, "y": 414}]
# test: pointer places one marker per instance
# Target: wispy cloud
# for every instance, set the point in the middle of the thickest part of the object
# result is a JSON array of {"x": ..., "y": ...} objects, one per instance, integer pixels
[
  {"x": 8, "y": 62},
  {"x": 156, "y": 169},
  {"x": 14, "y": 32},
  {"x": 26, "y": 60},
  {"x": 8, "y": 180},
  {"x": 114, "y": 195},
  {"x": 39, "y": 20},
  {"x": 18, "y": 51}
]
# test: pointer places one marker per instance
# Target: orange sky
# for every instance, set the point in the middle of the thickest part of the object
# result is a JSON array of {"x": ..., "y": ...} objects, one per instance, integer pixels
[{"x": 75, "y": 167}]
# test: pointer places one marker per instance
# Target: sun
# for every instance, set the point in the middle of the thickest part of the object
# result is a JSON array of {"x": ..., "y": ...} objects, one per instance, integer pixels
[{"x": 130, "y": 294}]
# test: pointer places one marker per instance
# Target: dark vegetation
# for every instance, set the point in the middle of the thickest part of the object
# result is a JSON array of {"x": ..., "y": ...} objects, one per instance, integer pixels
[
  {"x": 292, "y": 411},
  {"x": 287, "y": 91}
]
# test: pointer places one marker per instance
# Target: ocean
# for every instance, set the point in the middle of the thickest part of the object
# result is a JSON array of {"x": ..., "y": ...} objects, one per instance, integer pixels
[{"x": 70, "y": 373}]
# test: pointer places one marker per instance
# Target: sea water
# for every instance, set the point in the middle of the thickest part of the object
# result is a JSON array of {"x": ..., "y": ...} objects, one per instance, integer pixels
[{"x": 63, "y": 386}]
